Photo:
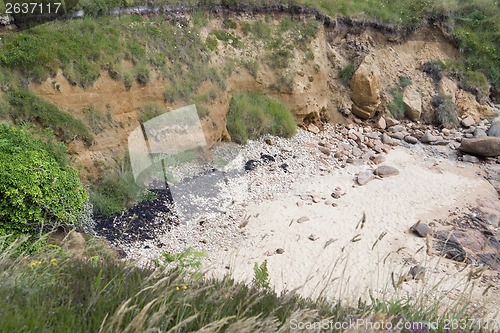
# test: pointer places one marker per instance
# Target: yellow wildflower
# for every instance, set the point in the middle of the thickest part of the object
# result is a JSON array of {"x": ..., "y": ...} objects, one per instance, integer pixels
[
  {"x": 177, "y": 288},
  {"x": 184, "y": 287},
  {"x": 35, "y": 263},
  {"x": 53, "y": 261}
]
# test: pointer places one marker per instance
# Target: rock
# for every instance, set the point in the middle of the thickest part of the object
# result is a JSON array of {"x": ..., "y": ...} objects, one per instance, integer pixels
[
  {"x": 420, "y": 229},
  {"x": 470, "y": 159},
  {"x": 313, "y": 128},
  {"x": 303, "y": 219},
  {"x": 325, "y": 150},
  {"x": 467, "y": 105},
  {"x": 480, "y": 133},
  {"x": 449, "y": 246},
  {"x": 251, "y": 164},
  {"x": 364, "y": 177},
  {"x": 300, "y": 203},
  {"x": 356, "y": 152},
  {"x": 381, "y": 123},
  {"x": 411, "y": 139},
  {"x": 316, "y": 199},
  {"x": 377, "y": 159},
  {"x": 494, "y": 129},
  {"x": 397, "y": 135},
  {"x": 362, "y": 113},
  {"x": 412, "y": 102},
  {"x": 267, "y": 158},
  {"x": 391, "y": 121},
  {"x": 448, "y": 87},
  {"x": 386, "y": 171},
  {"x": 468, "y": 121},
  {"x": 328, "y": 202},
  {"x": 268, "y": 141},
  {"x": 313, "y": 237},
  {"x": 365, "y": 85},
  {"x": 386, "y": 139},
  {"x": 446, "y": 132},
  {"x": 280, "y": 250},
  {"x": 417, "y": 272},
  {"x": 488, "y": 146},
  {"x": 428, "y": 137},
  {"x": 396, "y": 128}
]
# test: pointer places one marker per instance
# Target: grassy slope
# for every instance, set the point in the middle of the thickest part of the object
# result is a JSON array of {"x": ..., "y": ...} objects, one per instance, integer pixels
[{"x": 52, "y": 292}]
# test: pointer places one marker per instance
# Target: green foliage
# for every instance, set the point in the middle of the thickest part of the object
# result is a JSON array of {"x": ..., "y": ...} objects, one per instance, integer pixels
[
  {"x": 404, "y": 81},
  {"x": 261, "y": 275},
  {"x": 142, "y": 74},
  {"x": 445, "y": 114},
  {"x": 26, "y": 106},
  {"x": 227, "y": 37},
  {"x": 252, "y": 66},
  {"x": 253, "y": 114},
  {"x": 128, "y": 80},
  {"x": 95, "y": 118},
  {"x": 211, "y": 43},
  {"x": 188, "y": 260},
  {"x": 284, "y": 83},
  {"x": 37, "y": 190},
  {"x": 150, "y": 111},
  {"x": 346, "y": 74},
  {"x": 397, "y": 107},
  {"x": 229, "y": 24},
  {"x": 261, "y": 30}
]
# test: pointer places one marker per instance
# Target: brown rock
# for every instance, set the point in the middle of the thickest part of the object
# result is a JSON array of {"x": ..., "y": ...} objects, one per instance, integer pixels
[
  {"x": 362, "y": 113},
  {"x": 325, "y": 150},
  {"x": 280, "y": 250},
  {"x": 412, "y": 102},
  {"x": 365, "y": 176},
  {"x": 489, "y": 146},
  {"x": 448, "y": 87},
  {"x": 377, "y": 159},
  {"x": 365, "y": 85},
  {"x": 381, "y": 123},
  {"x": 313, "y": 237},
  {"x": 420, "y": 229},
  {"x": 411, "y": 139},
  {"x": 468, "y": 121},
  {"x": 313, "y": 128},
  {"x": 467, "y": 105},
  {"x": 303, "y": 219},
  {"x": 391, "y": 121},
  {"x": 386, "y": 171}
]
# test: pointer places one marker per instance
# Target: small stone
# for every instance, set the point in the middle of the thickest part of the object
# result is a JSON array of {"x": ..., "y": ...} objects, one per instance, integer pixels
[
  {"x": 303, "y": 219},
  {"x": 378, "y": 159},
  {"x": 381, "y": 123},
  {"x": 468, "y": 121},
  {"x": 397, "y": 135},
  {"x": 391, "y": 121},
  {"x": 411, "y": 139},
  {"x": 334, "y": 204},
  {"x": 268, "y": 141},
  {"x": 300, "y": 203},
  {"x": 480, "y": 133},
  {"x": 328, "y": 202},
  {"x": 316, "y": 199},
  {"x": 386, "y": 139},
  {"x": 280, "y": 250},
  {"x": 313, "y": 237},
  {"x": 428, "y": 137},
  {"x": 364, "y": 177},
  {"x": 386, "y": 171},
  {"x": 325, "y": 150},
  {"x": 417, "y": 272},
  {"x": 446, "y": 132},
  {"x": 420, "y": 229},
  {"x": 313, "y": 128},
  {"x": 470, "y": 159}
]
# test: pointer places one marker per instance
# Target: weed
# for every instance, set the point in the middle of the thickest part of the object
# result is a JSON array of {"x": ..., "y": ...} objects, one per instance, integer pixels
[
  {"x": 127, "y": 80},
  {"x": 252, "y": 66},
  {"x": 95, "y": 118},
  {"x": 397, "y": 107},
  {"x": 188, "y": 260},
  {"x": 150, "y": 111},
  {"x": 283, "y": 83},
  {"x": 445, "y": 115},
  {"x": 346, "y": 74},
  {"x": 404, "y": 81},
  {"x": 261, "y": 275},
  {"x": 254, "y": 114}
]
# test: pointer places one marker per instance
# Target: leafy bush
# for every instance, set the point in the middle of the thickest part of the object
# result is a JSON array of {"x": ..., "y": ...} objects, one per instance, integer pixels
[
  {"x": 26, "y": 106},
  {"x": 445, "y": 114},
  {"x": 397, "y": 107},
  {"x": 261, "y": 275},
  {"x": 150, "y": 111},
  {"x": 254, "y": 114},
  {"x": 346, "y": 74},
  {"x": 37, "y": 191},
  {"x": 404, "y": 81}
]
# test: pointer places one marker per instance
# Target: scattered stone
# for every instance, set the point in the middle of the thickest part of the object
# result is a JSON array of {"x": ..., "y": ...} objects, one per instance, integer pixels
[
  {"x": 381, "y": 123},
  {"x": 303, "y": 219},
  {"x": 386, "y": 139},
  {"x": 325, "y": 150},
  {"x": 411, "y": 139},
  {"x": 316, "y": 199},
  {"x": 420, "y": 229},
  {"x": 267, "y": 158},
  {"x": 280, "y": 250},
  {"x": 468, "y": 121},
  {"x": 251, "y": 164},
  {"x": 391, "y": 121},
  {"x": 480, "y": 133},
  {"x": 470, "y": 159},
  {"x": 446, "y": 132},
  {"x": 417, "y": 272},
  {"x": 313, "y": 237},
  {"x": 495, "y": 128},
  {"x": 328, "y": 202},
  {"x": 489, "y": 146},
  {"x": 300, "y": 203},
  {"x": 449, "y": 246},
  {"x": 397, "y": 135},
  {"x": 378, "y": 159},
  {"x": 396, "y": 128},
  {"x": 313, "y": 128},
  {"x": 386, "y": 171},
  {"x": 364, "y": 177},
  {"x": 334, "y": 204},
  {"x": 428, "y": 137},
  {"x": 268, "y": 141}
]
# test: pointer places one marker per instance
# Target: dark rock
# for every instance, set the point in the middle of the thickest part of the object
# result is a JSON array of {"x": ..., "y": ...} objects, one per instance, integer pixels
[
  {"x": 386, "y": 171},
  {"x": 495, "y": 128},
  {"x": 411, "y": 139},
  {"x": 449, "y": 246},
  {"x": 325, "y": 150},
  {"x": 420, "y": 229},
  {"x": 377, "y": 159},
  {"x": 470, "y": 159},
  {"x": 267, "y": 158},
  {"x": 284, "y": 166},
  {"x": 489, "y": 146},
  {"x": 303, "y": 219},
  {"x": 251, "y": 164},
  {"x": 313, "y": 237},
  {"x": 280, "y": 251},
  {"x": 417, "y": 272}
]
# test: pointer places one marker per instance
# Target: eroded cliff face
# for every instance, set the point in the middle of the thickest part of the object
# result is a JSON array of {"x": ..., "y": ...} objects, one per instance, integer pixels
[{"x": 310, "y": 84}]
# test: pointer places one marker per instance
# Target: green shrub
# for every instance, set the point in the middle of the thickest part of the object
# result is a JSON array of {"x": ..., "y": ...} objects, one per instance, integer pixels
[
  {"x": 95, "y": 118},
  {"x": 26, "y": 106},
  {"x": 128, "y": 80},
  {"x": 252, "y": 66},
  {"x": 211, "y": 43},
  {"x": 397, "y": 107},
  {"x": 36, "y": 190},
  {"x": 254, "y": 114},
  {"x": 261, "y": 30},
  {"x": 445, "y": 114},
  {"x": 346, "y": 74},
  {"x": 261, "y": 275},
  {"x": 404, "y": 81},
  {"x": 150, "y": 111},
  {"x": 142, "y": 74}
]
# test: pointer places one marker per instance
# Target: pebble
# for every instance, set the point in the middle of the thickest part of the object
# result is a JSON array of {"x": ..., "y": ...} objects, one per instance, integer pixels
[
  {"x": 364, "y": 177},
  {"x": 411, "y": 139},
  {"x": 468, "y": 121},
  {"x": 303, "y": 219},
  {"x": 313, "y": 237},
  {"x": 428, "y": 137},
  {"x": 386, "y": 171},
  {"x": 325, "y": 150},
  {"x": 378, "y": 159},
  {"x": 470, "y": 159},
  {"x": 420, "y": 229},
  {"x": 280, "y": 250}
]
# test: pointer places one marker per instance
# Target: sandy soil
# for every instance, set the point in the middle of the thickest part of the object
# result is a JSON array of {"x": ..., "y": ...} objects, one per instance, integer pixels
[{"x": 347, "y": 258}]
